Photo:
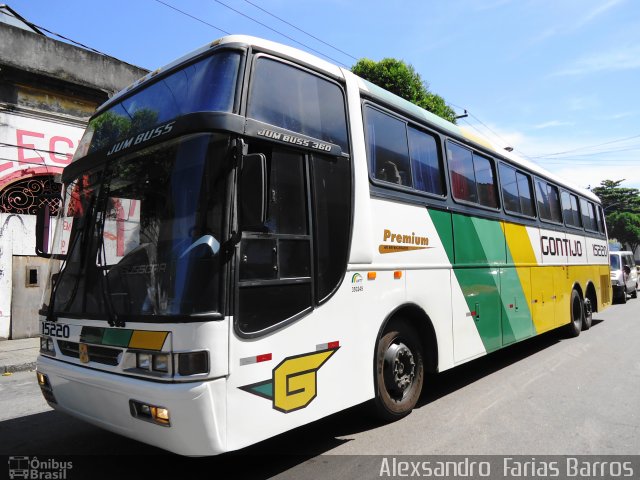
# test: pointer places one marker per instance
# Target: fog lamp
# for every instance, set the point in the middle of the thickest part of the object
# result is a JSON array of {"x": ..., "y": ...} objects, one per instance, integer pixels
[{"x": 150, "y": 413}]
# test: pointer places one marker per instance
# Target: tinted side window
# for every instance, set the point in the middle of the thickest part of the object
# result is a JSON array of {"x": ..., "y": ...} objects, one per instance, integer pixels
[
  {"x": 601, "y": 224},
  {"x": 554, "y": 203},
  {"x": 275, "y": 262},
  {"x": 570, "y": 209},
  {"x": 509, "y": 185},
  {"x": 588, "y": 211},
  {"x": 543, "y": 200},
  {"x": 426, "y": 165},
  {"x": 463, "y": 180},
  {"x": 526, "y": 194},
  {"x": 388, "y": 149},
  {"x": 473, "y": 176},
  {"x": 548, "y": 201},
  {"x": 331, "y": 183},
  {"x": 516, "y": 191},
  {"x": 486, "y": 181},
  {"x": 299, "y": 101}
]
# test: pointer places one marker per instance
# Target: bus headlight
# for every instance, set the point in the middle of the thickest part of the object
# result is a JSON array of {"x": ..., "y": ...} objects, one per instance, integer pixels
[
  {"x": 143, "y": 360},
  {"x": 46, "y": 346},
  {"x": 160, "y": 363},
  {"x": 153, "y": 362}
]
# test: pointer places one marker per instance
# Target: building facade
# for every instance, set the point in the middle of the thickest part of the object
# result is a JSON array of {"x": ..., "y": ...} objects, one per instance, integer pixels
[{"x": 48, "y": 90}]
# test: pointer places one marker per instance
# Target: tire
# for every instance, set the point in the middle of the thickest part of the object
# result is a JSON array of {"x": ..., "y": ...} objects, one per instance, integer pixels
[
  {"x": 634, "y": 292},
  {"x": 399, "y": 371},
  {"x": 587, "y": 318},
  {"x": 623, "y": 296},
  {"x": 577, "y": 313}
]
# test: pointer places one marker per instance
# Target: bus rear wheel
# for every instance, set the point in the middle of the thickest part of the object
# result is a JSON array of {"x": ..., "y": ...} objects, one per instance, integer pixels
[
  {"x": 399, "y": 371},
  {"x": 587, "y": 320},
  {"x": 577, "y": 314}
]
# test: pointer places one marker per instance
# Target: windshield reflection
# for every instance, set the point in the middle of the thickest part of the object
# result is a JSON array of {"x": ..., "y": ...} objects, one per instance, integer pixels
[{"x": 143, "y": 234}]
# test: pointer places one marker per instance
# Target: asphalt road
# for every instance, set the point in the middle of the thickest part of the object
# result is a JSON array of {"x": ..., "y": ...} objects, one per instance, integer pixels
[{"x": 544, "y": 396}]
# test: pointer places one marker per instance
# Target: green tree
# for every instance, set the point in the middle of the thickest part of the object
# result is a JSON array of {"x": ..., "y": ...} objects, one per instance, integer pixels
[
  {"x": 401, "y": 78},
  {"x": 616, "y": 198},
  {"x": 625, "y": 227}
]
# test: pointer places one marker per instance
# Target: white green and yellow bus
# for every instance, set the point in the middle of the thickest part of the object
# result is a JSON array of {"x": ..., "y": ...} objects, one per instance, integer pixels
[{"x": 252, "y": 239}]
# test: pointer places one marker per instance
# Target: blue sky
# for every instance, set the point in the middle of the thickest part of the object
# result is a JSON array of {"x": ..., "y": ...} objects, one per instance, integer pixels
[{"x": 559, "y": 81}]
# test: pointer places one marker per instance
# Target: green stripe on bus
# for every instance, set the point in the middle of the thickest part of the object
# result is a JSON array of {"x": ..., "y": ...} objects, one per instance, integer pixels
[
  {"x": 477, "y": 249},
  {"x": 117, "y": 338}
]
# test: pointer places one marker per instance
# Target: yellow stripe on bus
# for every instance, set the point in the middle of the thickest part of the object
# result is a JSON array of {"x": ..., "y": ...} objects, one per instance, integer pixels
[{"x": 147, "y": 340}]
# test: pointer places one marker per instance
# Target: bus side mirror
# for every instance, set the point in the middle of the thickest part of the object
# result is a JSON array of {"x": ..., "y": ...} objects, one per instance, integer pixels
[
  {"x": 252, "y": 192},
  {"x": 43, "y": 231},
  {"x": 44, "y": 228}
]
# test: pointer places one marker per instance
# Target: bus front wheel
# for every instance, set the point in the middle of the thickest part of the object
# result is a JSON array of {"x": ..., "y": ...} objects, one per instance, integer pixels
[{"x": 399, "y": 371}]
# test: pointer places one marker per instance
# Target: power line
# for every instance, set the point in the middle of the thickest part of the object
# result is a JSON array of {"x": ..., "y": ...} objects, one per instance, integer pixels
[
  {"x": 280, "y": 33},
  {"x": 37, "y": 150},
  {"x": 587, "y": 147},
  {"x": 592, "y": 154},
  {"x": 193, "y": 17},
  {"x": 301, "y": 30},
  {"x": 86, "y": 47}
]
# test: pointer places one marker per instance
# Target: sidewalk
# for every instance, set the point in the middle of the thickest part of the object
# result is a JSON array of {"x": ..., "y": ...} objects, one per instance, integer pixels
[{"x": 18, "y": 355}]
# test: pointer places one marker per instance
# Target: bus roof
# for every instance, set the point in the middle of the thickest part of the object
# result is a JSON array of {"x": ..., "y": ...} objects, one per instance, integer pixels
[{"x": 365, "y": 86}]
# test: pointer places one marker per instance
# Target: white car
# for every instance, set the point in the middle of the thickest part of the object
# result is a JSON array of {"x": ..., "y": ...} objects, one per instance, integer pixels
[{"x": 624, "y": 276}]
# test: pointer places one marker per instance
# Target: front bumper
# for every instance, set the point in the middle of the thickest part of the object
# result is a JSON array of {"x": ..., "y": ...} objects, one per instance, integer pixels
[{"x": 198, "y": 409}]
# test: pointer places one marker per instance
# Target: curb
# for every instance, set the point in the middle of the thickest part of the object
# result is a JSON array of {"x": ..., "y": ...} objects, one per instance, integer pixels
[{"x": 20, "y": 367}]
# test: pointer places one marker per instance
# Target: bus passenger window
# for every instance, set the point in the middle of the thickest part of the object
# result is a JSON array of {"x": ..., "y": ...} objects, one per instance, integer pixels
[
  {"x": 426, "y": 164},
  {"x": 388, "y": 150},
  {"x": 486, "y": 181},
  {"x": 587, "y": 210},
  {"x": 516, "y": 191},
  {"x": 473, "y": 178},
  {"x": 525, "y": 194},
  {"x": 570, "y": 209},
  {"x": 548, "y": 202},
  {"x": 463, "y": 182}
]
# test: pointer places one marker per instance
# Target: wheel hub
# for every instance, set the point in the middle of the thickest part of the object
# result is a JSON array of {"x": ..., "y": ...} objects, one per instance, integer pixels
[{"x": 399, "y": 368}]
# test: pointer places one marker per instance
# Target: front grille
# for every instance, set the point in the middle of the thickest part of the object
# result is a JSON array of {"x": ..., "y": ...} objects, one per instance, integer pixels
[{"x": 104, "y": 355}]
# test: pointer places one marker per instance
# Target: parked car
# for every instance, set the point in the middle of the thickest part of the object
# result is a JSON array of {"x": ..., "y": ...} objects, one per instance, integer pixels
[{"x": 624, "y": 276}]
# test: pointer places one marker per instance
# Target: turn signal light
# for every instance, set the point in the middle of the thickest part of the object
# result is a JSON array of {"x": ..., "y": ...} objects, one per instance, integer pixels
[{"x": 193, "y": 363}]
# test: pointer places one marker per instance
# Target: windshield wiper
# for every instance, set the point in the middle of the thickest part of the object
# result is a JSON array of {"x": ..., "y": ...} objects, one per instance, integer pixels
[
  {"x": 112, "y": 317},
  {"x": 84, "y": 234}
]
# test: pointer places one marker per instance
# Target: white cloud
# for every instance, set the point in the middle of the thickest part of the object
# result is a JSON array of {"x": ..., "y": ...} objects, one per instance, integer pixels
[
  {"x": 596, "y": 12},
  {"x": 579, "y": 171},
  {"x": 607, "y": 61},
  {"x": 568, "y": 27},
  {"x": 619, "y": 116},
  {"x": 592, "y": 175},
  {"x": 552, "y": 123}
]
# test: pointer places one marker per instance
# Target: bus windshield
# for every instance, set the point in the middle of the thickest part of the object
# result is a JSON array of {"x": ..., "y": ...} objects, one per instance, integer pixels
[
  {"x": 206, "y": 85},
  {"x": 142, "y": 234}
]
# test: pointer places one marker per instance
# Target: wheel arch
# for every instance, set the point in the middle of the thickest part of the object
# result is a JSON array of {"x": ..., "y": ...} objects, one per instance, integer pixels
[
  {"x": 423, "y": 325},
  {"x": 578, "y": 288},
  {"x": 592, "y": 295}
]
